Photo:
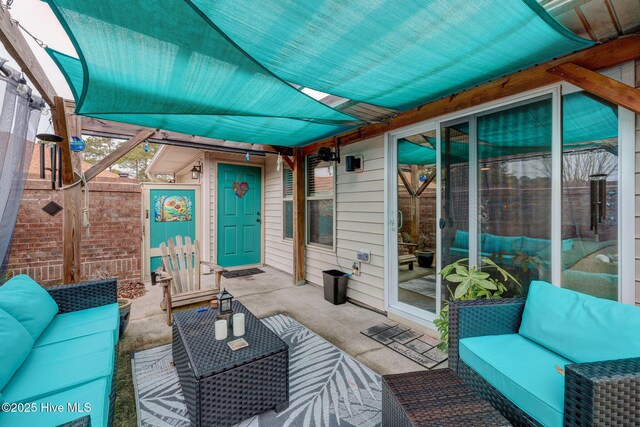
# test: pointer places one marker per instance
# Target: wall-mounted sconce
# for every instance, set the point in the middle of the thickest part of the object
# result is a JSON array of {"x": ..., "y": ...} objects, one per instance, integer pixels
[
  {"x": 485, "y": 167},
  {"x": 196, "y": 171},
  {"x": 354, "y": 163}
]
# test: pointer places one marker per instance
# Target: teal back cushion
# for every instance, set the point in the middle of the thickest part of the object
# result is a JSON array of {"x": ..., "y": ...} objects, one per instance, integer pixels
[
  {"x": 532, "y": 246},
  {"x": 580, "y": 327},
  {"x": 461, "y": 239},
  {"x": 494, "y": 244},
  {"x": 28, "y": 303},
  {"x": 15, "y": 345}
]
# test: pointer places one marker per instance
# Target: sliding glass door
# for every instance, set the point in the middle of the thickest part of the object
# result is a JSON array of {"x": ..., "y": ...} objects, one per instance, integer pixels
[
  {"x": 534, "y": 185},
  {"x": 514, "y": 188},
  {"x": 416, "y": 222}
]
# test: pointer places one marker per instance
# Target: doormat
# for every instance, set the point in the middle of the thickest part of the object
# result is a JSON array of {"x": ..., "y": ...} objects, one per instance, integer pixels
[
  {"x": 410, "y": 343},
  {"x": 327, "y": 387},
  {"x": 241, "y": 273}
]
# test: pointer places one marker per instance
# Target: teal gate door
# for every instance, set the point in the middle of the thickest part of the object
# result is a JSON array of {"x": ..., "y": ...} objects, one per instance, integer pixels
[
  {"x": 239, "y": 215},
  {"x": 172, "y": 212}
]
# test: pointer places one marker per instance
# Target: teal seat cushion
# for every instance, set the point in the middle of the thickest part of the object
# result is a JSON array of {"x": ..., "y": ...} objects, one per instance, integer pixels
[
  {"x": 521, "y": 370},
  {"x": 94, "y": 393},
  {"x": 29, "y": 303},
  {"x": 15, "y": 345},
  {"x": 59, "y": 366},
  {"x": 80, "y": 323},
  {"x": 580, "y": 327}
]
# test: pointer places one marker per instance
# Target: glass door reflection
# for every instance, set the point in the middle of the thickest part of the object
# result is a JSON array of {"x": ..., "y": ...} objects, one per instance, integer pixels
[{"x": 417, "y": 220}]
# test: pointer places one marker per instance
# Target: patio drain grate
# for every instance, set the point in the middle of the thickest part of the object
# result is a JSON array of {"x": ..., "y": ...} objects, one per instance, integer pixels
[{"x": 408, "y": 342}]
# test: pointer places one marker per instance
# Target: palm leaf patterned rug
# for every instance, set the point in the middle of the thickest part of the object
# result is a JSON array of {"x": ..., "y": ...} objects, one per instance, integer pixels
[{"x": 327, "y": 387}]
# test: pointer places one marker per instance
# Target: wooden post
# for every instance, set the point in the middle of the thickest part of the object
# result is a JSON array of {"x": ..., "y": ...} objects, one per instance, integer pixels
[
  {"x": 72, "y": 215},
  {"x": 299, "y": 239}
]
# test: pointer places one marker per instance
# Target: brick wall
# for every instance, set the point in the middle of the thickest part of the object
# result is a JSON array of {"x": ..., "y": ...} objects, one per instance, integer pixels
[{"x": 114, "y": 244}]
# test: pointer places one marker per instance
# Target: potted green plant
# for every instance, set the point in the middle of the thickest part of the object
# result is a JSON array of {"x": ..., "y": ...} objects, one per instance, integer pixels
[
  {"x": 486, "y": 281},
  {"x": 425, "y": 258}
]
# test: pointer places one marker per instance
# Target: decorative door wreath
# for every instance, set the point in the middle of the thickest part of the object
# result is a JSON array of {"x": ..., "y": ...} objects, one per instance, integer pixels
[{"x": 240, "y": 188}]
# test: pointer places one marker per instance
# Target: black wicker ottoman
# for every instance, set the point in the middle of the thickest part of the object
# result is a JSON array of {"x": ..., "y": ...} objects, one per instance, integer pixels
[
  {"x": 434, "y": 398},
  {"x": 222, "y": 387}
]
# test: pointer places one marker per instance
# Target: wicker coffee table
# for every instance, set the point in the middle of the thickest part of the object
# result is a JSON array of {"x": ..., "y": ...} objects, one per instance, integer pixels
[
  {"x": 222, "y": 387},
  {"x": 434, "y": 398}
]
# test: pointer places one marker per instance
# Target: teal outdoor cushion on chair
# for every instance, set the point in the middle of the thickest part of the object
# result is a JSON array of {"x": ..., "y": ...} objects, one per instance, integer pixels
[
  {"x": 81, "y": 323},
  {"x": 59, "y": 366},
  {"x": 580, "y": 327},
  {"x": 95, "y": 393},
  {"x": 28, "y": 303},
  {"x": 15, "y": 345},
  {"x": 522, "y": 370}
]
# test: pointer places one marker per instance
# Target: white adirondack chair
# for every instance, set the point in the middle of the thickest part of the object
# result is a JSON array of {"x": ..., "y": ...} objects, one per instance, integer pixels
[{"x": 182, "y": 283}]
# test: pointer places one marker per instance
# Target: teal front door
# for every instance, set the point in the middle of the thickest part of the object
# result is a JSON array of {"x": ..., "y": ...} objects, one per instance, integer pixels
[
  {"x": 172, "y": 212},
  {"x": 239, "y": 215}
]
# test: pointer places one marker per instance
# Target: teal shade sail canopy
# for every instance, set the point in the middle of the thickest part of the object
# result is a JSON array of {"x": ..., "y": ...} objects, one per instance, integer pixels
[
  {"x": 393, "y": 53},
  {"x": 164, "y": 57},
  {"x": 527, "y": 128},
  {"x": 410, "y": 153},
  {"x": 253, "y": 129}
]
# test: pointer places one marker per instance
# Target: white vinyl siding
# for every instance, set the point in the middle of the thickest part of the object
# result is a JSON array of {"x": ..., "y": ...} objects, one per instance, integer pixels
[
  {"x": 359, "y": 199},
  {"x": 359, "y": 225},
  {"x": 278, "y": 251}
]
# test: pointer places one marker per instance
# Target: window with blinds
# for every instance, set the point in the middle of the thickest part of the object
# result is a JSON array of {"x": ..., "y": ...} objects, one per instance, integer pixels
[
  {"x": 319, "y": 177},
  {"x": 320, "y": 202},
  {"x": 287, "y": 203}
]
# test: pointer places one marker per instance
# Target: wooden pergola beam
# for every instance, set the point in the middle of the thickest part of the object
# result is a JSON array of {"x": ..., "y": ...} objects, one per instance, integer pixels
[
  {"x": 406, "y": 183},
  {"x": 299, "y": 239},
  {"x": 605, "y": 87},
  {"x": 111, "y": 129},
  {"x": 601, "y": 56},
  {"x": 288, "y": 161},
  {"x": 426, "y": 183},
  {"x": 17, "y": 46},
  {"x": 118, "y": 153}
]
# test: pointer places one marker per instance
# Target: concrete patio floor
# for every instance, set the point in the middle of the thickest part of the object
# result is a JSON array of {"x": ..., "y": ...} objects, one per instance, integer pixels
[{"x": 273, "y": 293}]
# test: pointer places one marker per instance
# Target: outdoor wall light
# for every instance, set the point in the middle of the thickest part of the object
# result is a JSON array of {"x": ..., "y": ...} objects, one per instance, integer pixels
[
  {"x": 354, "y": 163},
  {"x": 485, "y": 167},
  {"x": 196, "y": 171}
]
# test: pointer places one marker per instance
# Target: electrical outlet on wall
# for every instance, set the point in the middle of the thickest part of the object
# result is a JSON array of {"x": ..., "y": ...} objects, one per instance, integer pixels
[
  {"x": 363, "y": 255},
  {"x": 355, "y": 268}
]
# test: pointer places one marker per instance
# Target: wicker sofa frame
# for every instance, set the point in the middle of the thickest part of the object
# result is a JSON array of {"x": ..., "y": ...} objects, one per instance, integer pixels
[
  {"x": 81, "y": 296},
  {"x": 596, "y": 394}
]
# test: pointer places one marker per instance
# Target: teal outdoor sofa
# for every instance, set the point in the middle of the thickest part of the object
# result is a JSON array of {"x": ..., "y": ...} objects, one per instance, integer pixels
[
  {"x": 491, "y": 244},
  {"x": 58, "y": 348},
  {"x": 557, "y": 358}
]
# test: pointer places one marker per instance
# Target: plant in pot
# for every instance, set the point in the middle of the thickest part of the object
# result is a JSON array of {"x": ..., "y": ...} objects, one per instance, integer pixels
[
  {"x": 425, "y": 258},
  {"x": 487, "y": 281}
]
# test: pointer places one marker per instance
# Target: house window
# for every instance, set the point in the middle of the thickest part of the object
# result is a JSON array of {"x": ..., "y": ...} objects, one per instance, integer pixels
[
  {"x": 287, "y": 203},
  {"x": 320, "y": 201}
]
